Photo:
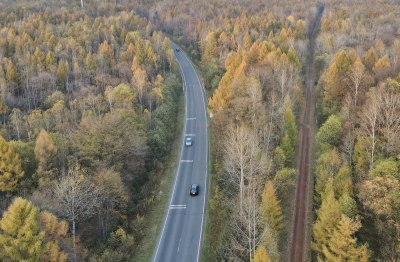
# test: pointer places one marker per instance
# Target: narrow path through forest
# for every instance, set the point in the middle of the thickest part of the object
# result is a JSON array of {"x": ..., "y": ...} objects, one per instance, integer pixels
[{"x": 299, "y": 227}]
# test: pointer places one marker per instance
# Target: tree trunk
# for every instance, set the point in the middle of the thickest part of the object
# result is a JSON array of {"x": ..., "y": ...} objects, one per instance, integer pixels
[
  {"x": 17, "y": 128},
  {"x": 241, "y": 186},
  {"x": 74, "y": 240},
  {"x": 372, "y": 150}
]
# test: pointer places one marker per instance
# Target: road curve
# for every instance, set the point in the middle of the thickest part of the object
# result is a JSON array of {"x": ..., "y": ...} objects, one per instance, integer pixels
[{"x": 181, "y": 234}]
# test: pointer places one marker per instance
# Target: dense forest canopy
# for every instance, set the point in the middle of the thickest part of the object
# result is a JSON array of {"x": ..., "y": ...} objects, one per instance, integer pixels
[{"x": 86, "y": 102}]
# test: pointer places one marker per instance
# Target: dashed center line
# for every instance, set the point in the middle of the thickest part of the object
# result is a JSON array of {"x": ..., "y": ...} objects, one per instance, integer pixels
[{"x": 187, "y": 161}]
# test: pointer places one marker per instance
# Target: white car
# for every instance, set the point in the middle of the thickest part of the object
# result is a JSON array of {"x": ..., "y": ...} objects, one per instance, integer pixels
[{"x": 188, "y": 141}]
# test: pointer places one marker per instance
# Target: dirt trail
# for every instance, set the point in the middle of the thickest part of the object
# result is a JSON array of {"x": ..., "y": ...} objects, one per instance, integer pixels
[{"x": 299, "y": 227}]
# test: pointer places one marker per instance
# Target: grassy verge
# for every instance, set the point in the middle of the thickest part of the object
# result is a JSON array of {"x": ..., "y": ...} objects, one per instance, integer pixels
[
  {"x": 205, "y": 248},
  {"x": 155, "y": 218}
]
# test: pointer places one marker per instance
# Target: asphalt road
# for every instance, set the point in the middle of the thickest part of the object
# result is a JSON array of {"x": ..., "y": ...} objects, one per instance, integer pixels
[{"x": 181, "y": 234}]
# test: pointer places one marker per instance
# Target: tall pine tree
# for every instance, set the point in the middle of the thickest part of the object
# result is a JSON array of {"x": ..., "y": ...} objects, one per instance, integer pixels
[
  {"x": 271, "y": 209},
  {"x": 328, "y": 218},
  {"x": 261, "y": 255},
  {"x": 343, "y": 245},
  {"x": 45, "y": 152},
  {"x": 20, "y": 235},
  {"x": 10, "y": 167}
]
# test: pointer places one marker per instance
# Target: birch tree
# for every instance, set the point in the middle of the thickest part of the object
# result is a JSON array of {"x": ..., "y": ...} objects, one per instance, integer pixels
[
  {"x": 390, "y": 120},
  {"x": 356, "y": 74},
  {"x": 244, "y": 158},
  {"x": 16, "y": 120},
  {"x": 246, "y": 230},
  {"x": 369, "y": 123},
  {"x": 77, "y": 199}
]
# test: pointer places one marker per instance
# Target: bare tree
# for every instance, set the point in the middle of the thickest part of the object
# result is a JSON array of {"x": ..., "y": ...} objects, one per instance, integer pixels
[
  {"x": 257, "y": 109},
  {"x": 244, "y": 158},
  {"x": 369, "y": 119},
  {"x": 247, "y": 232},
  {"x": 16, "y": 120},
  {"x": 390, "y": 120},
  {"x": 356, "y": 76},
  {"x": 348, "y": 144},
  {"x": 114, "y": 198},
  {"x": 77, "y": 198},
  {"x": 283, "y": 73}
]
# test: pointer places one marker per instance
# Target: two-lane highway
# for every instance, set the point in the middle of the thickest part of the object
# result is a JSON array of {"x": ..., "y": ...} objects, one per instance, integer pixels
[{"x": 181, "y": 234}]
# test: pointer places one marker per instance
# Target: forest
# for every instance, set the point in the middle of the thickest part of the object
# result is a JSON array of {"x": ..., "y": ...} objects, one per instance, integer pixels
[
  {"x": 86, "y": 102},
  {"x": 86, "y": 107}
]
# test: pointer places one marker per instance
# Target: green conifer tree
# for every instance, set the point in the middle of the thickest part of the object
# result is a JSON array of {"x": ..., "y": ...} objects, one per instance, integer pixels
[
  {"x": 328, "y": 217},
  {"x": 20, "y": 235},
  {"x": 343, "y": 245},
  {"x": 10, "y": 167},
  {"x": 261, "y": 255},
  {"x": 271, "y": 209}
]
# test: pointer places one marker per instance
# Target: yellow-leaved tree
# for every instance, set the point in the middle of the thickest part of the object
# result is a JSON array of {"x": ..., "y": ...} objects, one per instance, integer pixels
[
  {"x": 342, "y": 245},
  {"x": 20, "y": 237},
  {"x": 55, "y": 233},
  {"x": 45, "y": 152},
  {"x": 270, "y": 208},
  {"x": 261, "y": 255},
  {"x": 28, "y": 235},
  {"x": 10, "y": 167}
]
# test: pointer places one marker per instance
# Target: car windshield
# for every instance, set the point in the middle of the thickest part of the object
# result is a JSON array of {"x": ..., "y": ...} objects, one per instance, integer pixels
[{"x": 193, "y": 187}]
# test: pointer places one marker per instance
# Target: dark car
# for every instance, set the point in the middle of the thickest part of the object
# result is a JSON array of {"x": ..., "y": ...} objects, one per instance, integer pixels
[
  {"x": 177, "y": 50},
  {"x": 194, "y": 189}
]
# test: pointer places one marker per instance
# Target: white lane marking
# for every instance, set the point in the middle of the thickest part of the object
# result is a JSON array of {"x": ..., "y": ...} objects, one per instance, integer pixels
[
  {"x": 179, "y": 244},
  {"x": 190, "y": 134},
  {"x": 190, "y": 118},
  {"x": 177, "y": 206},
  {"x": 177, "y": 171},
  {"x": 187, "y": 161},
  {"x": 205, "y": 180}
]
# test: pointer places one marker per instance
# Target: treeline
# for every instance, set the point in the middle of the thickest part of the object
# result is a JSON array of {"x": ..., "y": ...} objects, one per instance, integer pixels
[
  {"x": 86, "y": 106},
  {"x": 356, "y": 169},
  {"x": 357, "y": 164},
  {"x": 229, "y": 24}
]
